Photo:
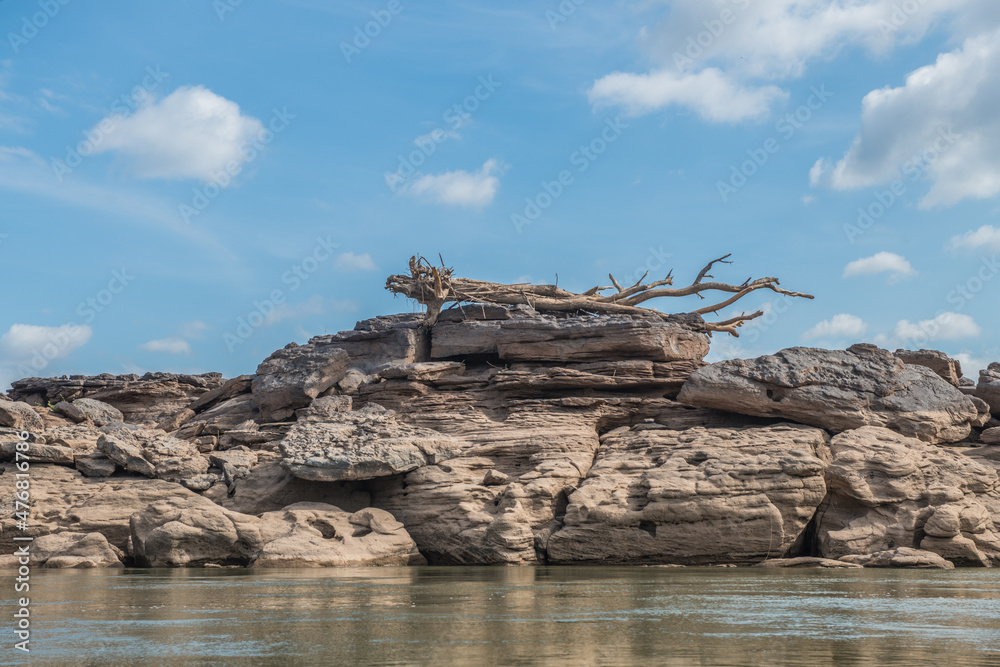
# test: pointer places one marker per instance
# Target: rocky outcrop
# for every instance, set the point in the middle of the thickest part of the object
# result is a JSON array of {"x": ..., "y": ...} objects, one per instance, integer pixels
[
  {"x": 195, "y": 531},
  {"x": 696, "y": 497},
  {"x": 363, "y": 444},
  {"x": 887, "y": 491},
  {"x": 290, "y": 378},
  {"x": 152, "y": 453},
  {"x": 142, "y": 400},
  {"x": 838, "y": 391},
  {"x": 948, "y": 369},
  {"x": 89, "y": 409}
]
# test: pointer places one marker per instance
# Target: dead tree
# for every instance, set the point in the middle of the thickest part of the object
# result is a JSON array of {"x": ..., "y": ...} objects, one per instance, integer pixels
[{"x": 435, "y": 286}]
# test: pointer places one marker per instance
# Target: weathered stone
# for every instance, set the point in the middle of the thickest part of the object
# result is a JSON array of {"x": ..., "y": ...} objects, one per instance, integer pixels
[
  {"x": 363, "y": 444},
  {"x": 63, "y": 500},
  {"x": 988, "y": 388},
  {"x": 837, "y": 390},
  {"x": 948, "y": 369},
  {"x": 38, "y": 453},
  {"x": 229, "y": 389},
  {"x": 695, "y": 497},
  {"x": 606, "y": 338},
  {"x": 176, "y": 420},
  {"x": 381, "y": 340},
  {"x": 319, "y": 535},
  {"x": 95, "y": 465},
  {"x": 193, "y": 531},
  {"x": 495, "y": 478},
  {"x": 324, "y": 408},
  {"x": 888, "y": 491},
  {"x": 98, "y": 412},
  {"x": 200, "y": 483},
  {"x": 20, "y": 416},
  {"x": 991, "y": 436},
  {"x": 240, "y": 457},
  {"x": 901, "y": 557},
  {"x": 142, "y": 400},
  {"x": 806, "y": 562},
  {"x": 196, "y": 532},
  {"x": 220, "y": 418},
  {"x": 293, "y": 376},
  {"x": 74, "y": 550},
  {"x": 81, "y": 438},
  {"x": 153, "y": 454}
]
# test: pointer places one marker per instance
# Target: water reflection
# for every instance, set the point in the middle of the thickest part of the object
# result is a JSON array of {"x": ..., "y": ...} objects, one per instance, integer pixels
[{"x": 515, "y": 616}]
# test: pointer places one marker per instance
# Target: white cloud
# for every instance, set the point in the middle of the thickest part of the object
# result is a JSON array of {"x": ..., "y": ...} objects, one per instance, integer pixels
[
  {"x": 172, "y": 345},
  {"x": 946, "y": 326},
  {"x": 895, "y": 265},
  {"x": 348, "y": 261},
  {"x": 711, "y": 93},
  {"x": 191, "y": 133},
  {"x": 28, "y": 350},
  {"x": 838, "y": 327},
  {"x": 22, "y": 342},
  {"x": 986, "y": 236},
  {"x": 941, "y": 125},
  {"x": 461, "y": 188}
]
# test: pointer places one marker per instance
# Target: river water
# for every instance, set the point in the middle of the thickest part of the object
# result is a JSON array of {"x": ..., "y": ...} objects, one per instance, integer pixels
[{"x": 511, "y": 616}]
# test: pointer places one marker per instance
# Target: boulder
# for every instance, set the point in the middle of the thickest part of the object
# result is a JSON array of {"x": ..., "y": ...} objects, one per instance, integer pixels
[
  {"x": 990, "y": 436},
  {"x": 21, "y": 416},
  {"x": 98, "y": 412},
  {"x": 75, "y": 550},
  {"x": 192, "y": 531},
  {"x": 903, "y": 557},
  {"x": 363, "y": 444},
  {"x": 292, "y": 377},
  {"x": 320, "y": 535},
  {"x": 887, "y": 491},
  {"x": 837, "y": 390},
  {"x": 239, "y": 457},
  {"x": 38, "y": 453},
  {"x": 988, "y": 388},
  {"x": 195, "y": 531},
  {"x": 948, "y": 369},
  {"x": 95, "y": 465},
  {"x": 153, "y": 453},
  {"x": 695, "y": 497}
]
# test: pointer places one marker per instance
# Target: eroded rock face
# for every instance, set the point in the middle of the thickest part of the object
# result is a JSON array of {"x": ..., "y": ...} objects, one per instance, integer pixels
[
  {"x": 948, "y": 369},
  {"x": 152, "y": 453},
  {"x": 694, "y": 497},
  {"x": 888, "y": 491},
  {"x": 75, "y": 550},
  {"x": 988, "y": 388},
  {"x": 837, "y": 390},
  {"x": 321, "y": 535},
  {"x": 83, "y": 409},
  {"x": 66, "y": 501},
  {"x": 363, "y": 444},
  {"x": 292, "y": 377},
  {"x": 195, "y": 531},
  {"x": 21, "y": 416},
  {"x": 142, "y": 400}
]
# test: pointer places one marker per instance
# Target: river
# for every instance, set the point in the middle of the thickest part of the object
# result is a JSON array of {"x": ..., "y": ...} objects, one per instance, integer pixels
[{"x": 511, "y": 616}]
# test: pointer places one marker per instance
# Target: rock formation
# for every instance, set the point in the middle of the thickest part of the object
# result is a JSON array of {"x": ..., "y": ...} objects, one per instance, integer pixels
[{"x": 516, "y": 430}]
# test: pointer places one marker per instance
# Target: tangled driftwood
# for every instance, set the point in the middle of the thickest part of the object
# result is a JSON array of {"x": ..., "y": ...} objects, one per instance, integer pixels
[{"x": 435, "y": 286}]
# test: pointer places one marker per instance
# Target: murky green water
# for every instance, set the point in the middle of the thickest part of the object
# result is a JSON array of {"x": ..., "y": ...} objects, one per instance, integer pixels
[{"x": 511, "y": 616}]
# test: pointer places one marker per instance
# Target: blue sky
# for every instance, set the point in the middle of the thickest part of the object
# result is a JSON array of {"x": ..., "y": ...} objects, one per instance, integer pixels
[{"x": 189, "y": 186}]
